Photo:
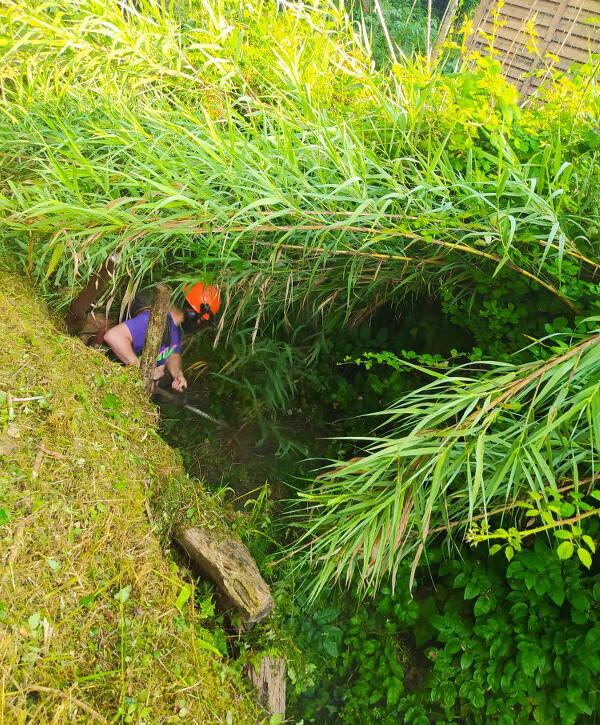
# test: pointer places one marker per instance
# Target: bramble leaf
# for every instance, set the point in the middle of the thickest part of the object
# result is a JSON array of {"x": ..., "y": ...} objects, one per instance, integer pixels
[
  {"x": 565, "y": 550},
  {"x": 562, "y": 534},
  {"x": 584, "y": 557},
  {"x": 590, "y": 543}
]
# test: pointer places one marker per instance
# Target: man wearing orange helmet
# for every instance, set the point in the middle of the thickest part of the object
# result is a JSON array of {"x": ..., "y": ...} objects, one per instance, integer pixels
[{"x": 202, "y": 303}]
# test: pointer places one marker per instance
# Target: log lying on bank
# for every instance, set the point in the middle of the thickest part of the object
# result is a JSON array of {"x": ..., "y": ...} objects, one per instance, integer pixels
[
  {"x": 270, "y": 683},
  {"x": 228, "y": 563}
]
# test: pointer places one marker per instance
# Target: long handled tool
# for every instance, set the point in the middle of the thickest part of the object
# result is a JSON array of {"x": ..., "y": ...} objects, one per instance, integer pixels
[{"x": 179, "y": 399}]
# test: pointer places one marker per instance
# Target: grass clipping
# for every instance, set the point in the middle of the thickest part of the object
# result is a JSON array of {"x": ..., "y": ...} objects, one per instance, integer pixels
[{"x": 90, "y": 623}]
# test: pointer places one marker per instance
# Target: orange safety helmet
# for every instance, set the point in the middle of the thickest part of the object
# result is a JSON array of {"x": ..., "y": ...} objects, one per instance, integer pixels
[{"x": 203, "y": 299}]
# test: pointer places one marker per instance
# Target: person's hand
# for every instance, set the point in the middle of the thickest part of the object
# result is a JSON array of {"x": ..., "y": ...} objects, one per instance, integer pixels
[{"x": 179, "y": 382}]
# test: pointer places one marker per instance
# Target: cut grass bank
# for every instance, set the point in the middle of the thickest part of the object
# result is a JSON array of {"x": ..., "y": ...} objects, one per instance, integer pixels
[{"x": 91, "y": 627}]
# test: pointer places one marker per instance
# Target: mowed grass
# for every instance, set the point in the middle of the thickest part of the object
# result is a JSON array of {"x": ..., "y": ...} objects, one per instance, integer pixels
[{"x": 89, "y": 627}]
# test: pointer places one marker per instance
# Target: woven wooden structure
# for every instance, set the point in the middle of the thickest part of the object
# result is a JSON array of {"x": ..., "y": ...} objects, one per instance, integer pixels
[{"x": 564, "y": 32}]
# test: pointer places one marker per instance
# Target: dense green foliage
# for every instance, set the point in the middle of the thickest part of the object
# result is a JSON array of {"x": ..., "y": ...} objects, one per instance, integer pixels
[
  {"x": 406, "y": 22},
  {"x": 402, "y": 240},
  {"x": 516, "y": 644},
  {"x": 504, "y": 643}
]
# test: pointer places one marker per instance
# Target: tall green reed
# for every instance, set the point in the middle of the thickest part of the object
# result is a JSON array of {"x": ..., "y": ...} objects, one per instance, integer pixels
[{"x": 310, "y": 191}]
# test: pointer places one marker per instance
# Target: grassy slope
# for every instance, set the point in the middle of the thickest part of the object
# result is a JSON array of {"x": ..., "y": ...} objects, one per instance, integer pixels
[{"x": 77, "y": 470}]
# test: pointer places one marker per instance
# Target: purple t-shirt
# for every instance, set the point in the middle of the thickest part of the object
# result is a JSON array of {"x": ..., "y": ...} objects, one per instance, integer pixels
[{"x": 138, "y": 325}]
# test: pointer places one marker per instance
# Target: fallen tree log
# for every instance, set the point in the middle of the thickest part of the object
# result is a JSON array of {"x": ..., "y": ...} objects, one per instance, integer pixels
[
  {"x": 270, "y": 683},
  {"x": 154, "y": 334},
  {"x": 228, "y": 563}
]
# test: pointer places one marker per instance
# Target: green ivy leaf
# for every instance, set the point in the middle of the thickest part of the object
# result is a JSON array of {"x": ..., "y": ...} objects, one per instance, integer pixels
[
  {"x": 592, "y": 639},
  {"x": 509, "y": 552},
  {"x": 466, "y": 660},
  {"x": 567, "y": 509},
  {"x": 477, "y": 699},
  {"x": 556, "y": 592},
  {"x": 472, "y": 589}
]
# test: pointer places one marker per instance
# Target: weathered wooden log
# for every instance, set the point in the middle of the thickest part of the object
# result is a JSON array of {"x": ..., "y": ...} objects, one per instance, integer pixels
[
  {"x": 154, "y": 334},
  {"x": 228, "y": 563},
  {"x": 270, "y": 683}
]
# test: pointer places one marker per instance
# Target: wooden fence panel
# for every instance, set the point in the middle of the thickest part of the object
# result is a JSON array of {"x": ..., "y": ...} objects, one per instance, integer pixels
[{"x": 564, "y": 32}]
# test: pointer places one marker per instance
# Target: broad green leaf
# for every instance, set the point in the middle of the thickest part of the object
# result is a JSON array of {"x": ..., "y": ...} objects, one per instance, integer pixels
[
  {"x": 590, "y": 543},
  {"x": 472, "y": 589},
  {"x": 584, "y": 557},
  {"x": 184, "y": 595},
  {"x": 565, "y": 550},
  {"x": 203, "y": 644}
]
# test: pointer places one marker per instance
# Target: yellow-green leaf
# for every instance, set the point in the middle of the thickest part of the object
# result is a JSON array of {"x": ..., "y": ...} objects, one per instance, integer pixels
[
  {"x": 590, "y": 542},
  {"x": 584, "y": 557},
  {"x": 55, "y": 258},
  {"x": 565, "y": 550},
  {"x": 184, "y": 595}
]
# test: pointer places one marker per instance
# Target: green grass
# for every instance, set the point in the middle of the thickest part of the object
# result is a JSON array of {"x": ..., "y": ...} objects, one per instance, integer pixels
[
  {"x": 330, "y": 204},
  {"x": 81, "y": 466}
]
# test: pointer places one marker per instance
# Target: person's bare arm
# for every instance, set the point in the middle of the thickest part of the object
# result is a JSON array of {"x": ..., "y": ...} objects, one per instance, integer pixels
[
  {"x": 176, "y": 371},
  {"x": 121, "y": 343}
]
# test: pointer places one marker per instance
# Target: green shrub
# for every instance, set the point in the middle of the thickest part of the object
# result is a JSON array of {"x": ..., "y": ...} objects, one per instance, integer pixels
[
  {"x": 516, "y": 643},
  {"x": 360, "y": 653},
  {"x": 492, "y": 642}
]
